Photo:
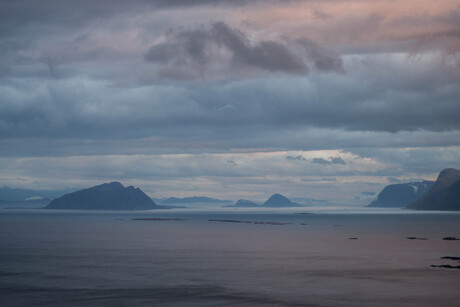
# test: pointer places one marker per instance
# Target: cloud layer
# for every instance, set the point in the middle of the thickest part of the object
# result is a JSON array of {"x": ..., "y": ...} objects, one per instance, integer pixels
[{"x": 337, "y": 93}]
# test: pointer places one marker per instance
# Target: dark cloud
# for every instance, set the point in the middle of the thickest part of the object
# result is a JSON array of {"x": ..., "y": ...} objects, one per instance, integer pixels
[
  {"x": 198, "y": 52},
  {"x": 85, "y": 107},
  {"x": 337, "y": 160},
  {"x": 323, "y": 59},
  {"x": 321, "y": 161},
  {"x": 330, "y": 161},
  {"x": 296, "y": 158},
  {"x": 232, "y": 162}
]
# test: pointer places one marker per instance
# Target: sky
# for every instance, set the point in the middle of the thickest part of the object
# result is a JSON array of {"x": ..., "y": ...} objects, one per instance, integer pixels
[{"x": 330, "y": 100}]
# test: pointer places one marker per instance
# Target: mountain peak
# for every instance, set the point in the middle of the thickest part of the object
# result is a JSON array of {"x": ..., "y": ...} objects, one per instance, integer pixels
[
  {"x": 110, "y": 185},
  {"x": 449, "y": 172},
  {"x": 278, "y": 200},
  {"x": 445, "y": 194}
]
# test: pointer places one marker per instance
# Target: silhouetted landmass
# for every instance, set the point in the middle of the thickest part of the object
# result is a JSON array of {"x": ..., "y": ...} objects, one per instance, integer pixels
[
  {"x": 157, "y": 219},
  {"x": 194, "y": 200},
  {"x": 416, "y": 238},
  {"x": 446, "y": 266},
  {"x": 25, "y": 204},
  {"x": 444, "y": 195},
  {"x": 401, "y": 195},
  {"x": 278, "y": 200},
  {"x": 451, "y": 239},
  {"x": 248, "y": 222},
  {"x": 450, "y": 258},
  {"x": 107, "y": 196}
]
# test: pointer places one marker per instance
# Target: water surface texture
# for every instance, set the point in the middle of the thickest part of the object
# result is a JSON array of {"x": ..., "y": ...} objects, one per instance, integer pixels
[{"x": 79, "y": 258}]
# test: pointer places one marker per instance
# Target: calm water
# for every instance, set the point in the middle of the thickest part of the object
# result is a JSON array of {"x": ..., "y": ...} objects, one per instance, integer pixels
[{"x": 92, "y": 259}]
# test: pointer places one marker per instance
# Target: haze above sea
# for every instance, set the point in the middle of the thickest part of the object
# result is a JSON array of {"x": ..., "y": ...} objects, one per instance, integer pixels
[{"x": 335, "y": 256}]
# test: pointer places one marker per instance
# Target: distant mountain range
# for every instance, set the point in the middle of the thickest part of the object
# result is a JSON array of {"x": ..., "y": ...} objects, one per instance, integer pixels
[
  {"x": 107, "y": 196},
  {"x": 444, "y": 195},
  {"x": 12, "y": 194},
  {"x": 275, "y": 201},
  {"x": 244, "y": 203},
  {"x": 401, "y": 195},
  {"x": 31, "y": 203},
  {"x": 193, "y": 200}
]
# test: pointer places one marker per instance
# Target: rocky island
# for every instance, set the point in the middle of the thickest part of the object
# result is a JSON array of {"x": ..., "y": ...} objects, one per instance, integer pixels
[{"x": 107, "y": 196}]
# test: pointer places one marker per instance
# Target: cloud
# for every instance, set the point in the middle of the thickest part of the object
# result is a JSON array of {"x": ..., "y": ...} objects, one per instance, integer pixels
[
  {"x": 394, "y": 180},
  {"x": 296, "y": 158},
  {"x": 330, "y": 161},
  {"x": 218, "y": 49},
  {"x": 321, "y": 161},
  {"x": 240, "y": 113},
  {"x": 110, "y": 81},
  {"x": 323, "y": 59},
  {"x": 337, "y": 160}
]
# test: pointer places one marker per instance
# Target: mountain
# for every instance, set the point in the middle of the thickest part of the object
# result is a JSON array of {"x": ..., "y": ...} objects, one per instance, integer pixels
[
  {"x": 107, "y": 196},
  {"x": 278, "y": 200},
  {"x": 445, "y": 194},
  {"x": 245, "y": 203},
  {"x": 7, "y": 193},
  {"x": 401, "y": 195},
  {"x": 194, "y": 200}
]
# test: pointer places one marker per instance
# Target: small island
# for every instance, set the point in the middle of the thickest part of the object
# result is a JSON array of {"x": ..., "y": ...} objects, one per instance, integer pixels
[
  {"x": 107, "y": 196},
  {"x": 280, "y": 201}
]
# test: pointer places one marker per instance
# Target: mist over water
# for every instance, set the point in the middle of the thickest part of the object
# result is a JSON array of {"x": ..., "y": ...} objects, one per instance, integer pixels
[{"x": 50, "y": 258}]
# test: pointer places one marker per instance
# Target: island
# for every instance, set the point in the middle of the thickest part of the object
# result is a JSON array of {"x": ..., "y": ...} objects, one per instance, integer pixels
[
  {"x": 107, "y": 196},
  {"x": 280, "y": 201}
]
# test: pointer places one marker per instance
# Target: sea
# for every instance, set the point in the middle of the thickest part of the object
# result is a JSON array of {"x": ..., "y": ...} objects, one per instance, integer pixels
[{"x": 229, "y": 257}]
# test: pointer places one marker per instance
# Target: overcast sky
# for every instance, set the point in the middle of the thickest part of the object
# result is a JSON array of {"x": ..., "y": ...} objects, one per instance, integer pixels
[{"x": 230, "y": 99}]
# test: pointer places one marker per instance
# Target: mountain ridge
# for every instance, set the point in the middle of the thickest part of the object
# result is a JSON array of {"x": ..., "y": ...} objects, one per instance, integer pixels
[
  {"x": 444, "y": 195},
  {"x": 401, "y": 194}
]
